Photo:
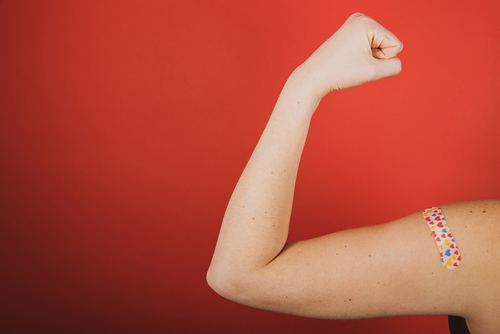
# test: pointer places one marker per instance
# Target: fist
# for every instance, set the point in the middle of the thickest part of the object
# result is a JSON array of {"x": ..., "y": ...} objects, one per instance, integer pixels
[{"x": 360, "y": 51}]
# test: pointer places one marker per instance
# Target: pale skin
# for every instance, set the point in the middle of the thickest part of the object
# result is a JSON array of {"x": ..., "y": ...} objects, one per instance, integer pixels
[{"x": 354, "y": 273}]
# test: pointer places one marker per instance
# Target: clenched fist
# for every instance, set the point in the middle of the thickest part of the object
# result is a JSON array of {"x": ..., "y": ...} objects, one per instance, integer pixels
[{"x": 360, "y": 51}]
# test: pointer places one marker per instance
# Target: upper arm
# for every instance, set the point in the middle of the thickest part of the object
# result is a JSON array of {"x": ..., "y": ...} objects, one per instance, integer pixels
[{"x": 383, "y": 270}]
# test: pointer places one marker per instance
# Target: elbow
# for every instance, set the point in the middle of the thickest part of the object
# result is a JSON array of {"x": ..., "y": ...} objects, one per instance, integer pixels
[
  {"x": 212, "y": 280},
  {"x": 220, "y": 283},
  {"x": 227, "y": 285}
]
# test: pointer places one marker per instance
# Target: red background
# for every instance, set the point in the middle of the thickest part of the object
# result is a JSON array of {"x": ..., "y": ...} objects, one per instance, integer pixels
[{"x": 124, "y": 127}]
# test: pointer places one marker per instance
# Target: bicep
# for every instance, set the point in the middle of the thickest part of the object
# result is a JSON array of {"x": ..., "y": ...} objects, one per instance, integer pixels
[{"x": 376, "y": 271}]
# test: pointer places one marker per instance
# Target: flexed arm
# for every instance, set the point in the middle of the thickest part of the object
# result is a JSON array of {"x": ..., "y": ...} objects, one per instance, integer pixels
[{"x": 255, "y": 226}]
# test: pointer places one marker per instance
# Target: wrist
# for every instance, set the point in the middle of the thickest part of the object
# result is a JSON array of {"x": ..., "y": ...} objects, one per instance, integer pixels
[{"x": 301, "y": 91}]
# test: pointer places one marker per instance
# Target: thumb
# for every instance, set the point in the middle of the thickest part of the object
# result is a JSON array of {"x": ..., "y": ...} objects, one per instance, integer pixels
[{"x": 386, "y": 67}]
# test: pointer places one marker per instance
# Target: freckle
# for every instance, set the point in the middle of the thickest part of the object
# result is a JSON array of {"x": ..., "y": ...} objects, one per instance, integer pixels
[
  {"x": 369, "y": 256},
  {"x": 349, "y": 299},
  {"x": 465, "y": 226},
  {"x": 337, "y": 253},
  {"x": 272, "y": 172},
  {"x": 286, "y": 296},
  {"x": 345, "y": 246},
  {"x": 274, "y": 225},
  {"x": 345, "y": 301},
  {"x": 471, "y": 212},
  {"x": 484, "y": 211},
  {"x": 253, "y": 218},
  {"x": 298, "y": 102}
]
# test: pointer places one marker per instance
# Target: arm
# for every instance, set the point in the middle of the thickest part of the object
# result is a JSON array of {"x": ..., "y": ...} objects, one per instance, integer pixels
[
  {"x": 383, "y": 270},
  {"x": 255, "y": 226}
]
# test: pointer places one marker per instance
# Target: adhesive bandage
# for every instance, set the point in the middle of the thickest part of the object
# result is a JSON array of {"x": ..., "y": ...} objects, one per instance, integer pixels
[{"x": 450, "y": 255}]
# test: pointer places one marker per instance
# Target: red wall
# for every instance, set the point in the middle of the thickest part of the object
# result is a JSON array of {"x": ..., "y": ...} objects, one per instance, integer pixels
[{"x": 124, "y": 126}]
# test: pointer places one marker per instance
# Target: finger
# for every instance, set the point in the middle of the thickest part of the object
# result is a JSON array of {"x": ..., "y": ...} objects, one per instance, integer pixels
[
  {"x": 384, "y": 44},
  {"x": 386, "y": 53},
  {"x": 387, "y": 67}
]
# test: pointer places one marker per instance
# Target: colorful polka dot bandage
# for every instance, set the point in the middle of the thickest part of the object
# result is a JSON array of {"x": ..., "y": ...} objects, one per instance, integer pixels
[{"x": 450, "y": 255}]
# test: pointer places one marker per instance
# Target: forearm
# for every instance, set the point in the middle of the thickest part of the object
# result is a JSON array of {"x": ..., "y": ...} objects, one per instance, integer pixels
[{"x": 255, "y": 226}]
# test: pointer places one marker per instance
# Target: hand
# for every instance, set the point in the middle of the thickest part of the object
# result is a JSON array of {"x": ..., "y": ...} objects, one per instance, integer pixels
[{"x": 360, "y": 51}]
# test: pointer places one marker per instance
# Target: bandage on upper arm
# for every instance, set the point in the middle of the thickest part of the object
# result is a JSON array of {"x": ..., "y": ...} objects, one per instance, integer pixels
[{"x": 448, "y": 248}]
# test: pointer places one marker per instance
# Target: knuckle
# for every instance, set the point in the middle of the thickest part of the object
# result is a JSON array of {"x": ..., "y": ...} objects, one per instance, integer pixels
[
  {"x": 358, "y": 18},
  {"x": 355, "y": 15}
]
